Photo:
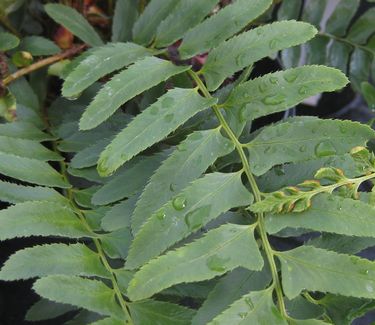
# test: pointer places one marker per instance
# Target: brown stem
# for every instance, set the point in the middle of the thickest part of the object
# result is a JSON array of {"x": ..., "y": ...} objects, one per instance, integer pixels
[{"x": 42, "y": 63}]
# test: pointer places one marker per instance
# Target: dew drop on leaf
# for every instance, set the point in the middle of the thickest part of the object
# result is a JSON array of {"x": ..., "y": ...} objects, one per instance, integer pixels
[
  {"x": 249, "y": 302},
  {"x": 168, "y": 101},
  {"x": 303, "y": 90},
  {"x": 242, "y": 315},
  {"x": 325, "y": 148},
  {"x": 168, "y": 118},
  {"x": 302, "y": 148},
  {"x": 273, "y": 44},
  {"x": 217, "y": 263},
  {"x": 369, "y": 288},
  {"x": 290, "y": 77},
  {"x": 160, "y": 215},
  {"x": 274, "y": 80},
  {"x": 179, "y": 203},
  {"x": 274, "y": 100},
  {"x": 171, "y": 187}
]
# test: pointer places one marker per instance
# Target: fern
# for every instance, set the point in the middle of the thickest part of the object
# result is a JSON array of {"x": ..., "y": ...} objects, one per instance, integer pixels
[{"x": 162, "y": 188}]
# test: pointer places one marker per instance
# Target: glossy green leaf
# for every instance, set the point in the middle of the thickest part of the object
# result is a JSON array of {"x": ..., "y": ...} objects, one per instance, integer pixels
[
  {"x": 187, "y": 13},
  {"x": 31, "y": 170},
  {"x": 40, "y": 219},
  {"x": 229, "y": 289},
  {"x": 72, "y": 20},
  {"x": 128, "y": 181},
  {"x": 342, "y": 244},
  {"x": 14, "y": 193},
  {"x": 251, "y": 46},
  {"x": 201, "y": 202},
  {"x": 187, "y": 162},
  {"x": 294, "y": 174},
  {"x": 45, "y": 309},
  {"x": 116, "y": 244},
  {"x": 119, "y": 215},
  {"x": 340, "y": 19},
  {"x": 89, "y": 294},
  {"x": 107, "y": 321},
  {"x": 344, "y": 310},
  {"x": 329, "y": 213},
  {"x": 8, "y": 41},
  {"x": 161, "y": 118},
  {"x": 39, "y": 261},
  {"x": 106, "y": 59},
  {"x": 254, "y": 308},
  {"x": 126, "y": 85},
  {"x": 221, "y": 26},
  {"x": 27, "y": 149},
  {"x": 125, "y": 15},
  {"x": 278, "y": 91},
  {"x": 156, "y": 11},
  {"x": 304, "y": 139},
  {"x": 218, "y": 252},
  {"x": 24, "y": 130},
  {"x": 368, "y": 92},
  {"x": 362, "y": 28},
  {"x": 359, "y": 67},
  {"x": 88, "y": 156},
  {"x": 38, "y": 45},
  {"x": 152, "y": 312},
  {"x": 314, "y": 269}
]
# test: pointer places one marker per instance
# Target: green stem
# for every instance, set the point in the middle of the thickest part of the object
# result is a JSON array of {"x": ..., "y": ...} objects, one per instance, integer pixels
[
  {"x": 97, "y": 243},
  {"x": 257, "y": 194}
]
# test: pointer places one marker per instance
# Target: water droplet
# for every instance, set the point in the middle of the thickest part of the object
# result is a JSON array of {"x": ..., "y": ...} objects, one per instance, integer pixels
[
  {"x": 171, "y": 187},
  {"x": 303, "y": 90},
  {"x": 274, "y": 80},
  {"x": 217, "y": 263},
  {"x": 273, "y": 44},
  {"x": 364, "y": 272},
  {"x": 194, "y": 219},
  {"x": 160, "y": 215},
  {"x": 168, "y": 118},
  {"x": 274, "y": 100},
  {"x": 179, "y": 203},
  {"x": 249, "y": 302},
  {"x": 302, "y": 148},
  {"x": 290, "y": 77},
  {"x": 369, "y": 288},
  {"x": 259, "y": 31},
  {"x": 124, "y": 156},
  {"x": 325, "y": 148},
  {"x": 242, "y": 60},
  {"x": 168, "y": 101},
  {"x": 242, "y": 315}
]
